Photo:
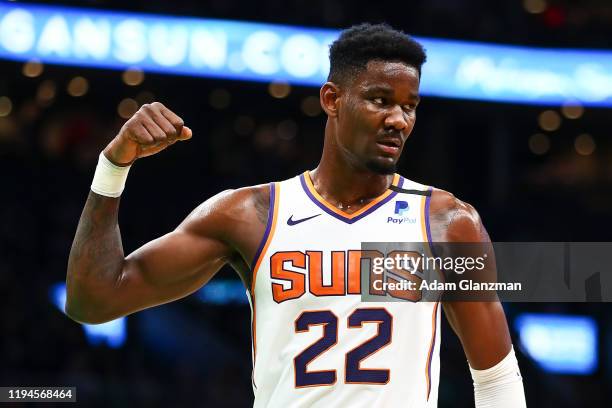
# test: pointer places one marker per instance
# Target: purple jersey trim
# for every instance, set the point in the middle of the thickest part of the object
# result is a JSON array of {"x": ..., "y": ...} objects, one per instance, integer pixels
[
  {"x": 433, "y": 346},
  {"x": 340, "y": 217},
  {"x": 268, "y": 227},
  {"x": 427, "y": 226}
]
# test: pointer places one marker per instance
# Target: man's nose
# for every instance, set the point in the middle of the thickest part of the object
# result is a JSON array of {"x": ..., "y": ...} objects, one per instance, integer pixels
[{"x": 396, "y": 119}]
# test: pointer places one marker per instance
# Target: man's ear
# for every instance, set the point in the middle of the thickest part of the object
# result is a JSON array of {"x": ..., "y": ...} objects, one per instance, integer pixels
[{"x": 329, "y": 96}]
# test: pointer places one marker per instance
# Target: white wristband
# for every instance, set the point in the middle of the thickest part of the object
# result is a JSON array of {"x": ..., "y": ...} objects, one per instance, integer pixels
[
  {"x": 500, "y": 386},
  {"x": 109, "y": 179}
]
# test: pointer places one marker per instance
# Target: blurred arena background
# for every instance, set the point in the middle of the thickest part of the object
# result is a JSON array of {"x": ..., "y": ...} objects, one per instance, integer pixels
[{"x": 535, "y": 170}]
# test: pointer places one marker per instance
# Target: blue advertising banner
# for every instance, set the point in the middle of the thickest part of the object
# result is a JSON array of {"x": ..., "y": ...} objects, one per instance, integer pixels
[{"x": 298, "y": 55}]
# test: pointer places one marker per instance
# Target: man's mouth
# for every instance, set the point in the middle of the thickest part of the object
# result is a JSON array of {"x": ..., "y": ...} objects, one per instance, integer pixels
[{"x": 389, "y": 145}]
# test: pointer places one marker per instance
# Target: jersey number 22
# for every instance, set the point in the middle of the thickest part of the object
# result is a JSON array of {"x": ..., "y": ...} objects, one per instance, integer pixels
[{"x": 353, "y": 373}]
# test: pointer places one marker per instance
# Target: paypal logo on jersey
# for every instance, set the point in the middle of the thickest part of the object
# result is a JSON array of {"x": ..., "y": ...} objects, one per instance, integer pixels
[{"x": 401, "y": 207}]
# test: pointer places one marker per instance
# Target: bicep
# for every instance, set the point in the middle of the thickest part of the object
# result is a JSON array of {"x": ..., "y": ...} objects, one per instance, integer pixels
[{"x": 167, "y": 268}]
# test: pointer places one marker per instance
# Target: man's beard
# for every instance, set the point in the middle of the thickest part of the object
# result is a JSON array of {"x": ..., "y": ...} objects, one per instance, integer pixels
[{"x": 380, "y": 168}]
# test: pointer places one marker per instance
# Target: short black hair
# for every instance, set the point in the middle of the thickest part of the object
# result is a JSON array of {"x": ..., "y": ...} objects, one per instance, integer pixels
[{"x": 359, "y": 44}]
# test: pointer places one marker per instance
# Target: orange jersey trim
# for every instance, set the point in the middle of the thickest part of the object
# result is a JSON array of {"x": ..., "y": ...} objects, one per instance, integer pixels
[
  {"x": 332, "y": 208},
  {"x": 260, "y": 256}
]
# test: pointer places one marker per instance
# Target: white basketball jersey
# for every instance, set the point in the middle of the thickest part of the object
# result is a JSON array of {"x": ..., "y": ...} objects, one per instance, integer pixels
[{"x": 315, "y": 343}]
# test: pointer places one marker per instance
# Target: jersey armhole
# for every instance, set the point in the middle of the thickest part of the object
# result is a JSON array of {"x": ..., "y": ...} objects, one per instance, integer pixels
[{"x": 268, "y": 234}]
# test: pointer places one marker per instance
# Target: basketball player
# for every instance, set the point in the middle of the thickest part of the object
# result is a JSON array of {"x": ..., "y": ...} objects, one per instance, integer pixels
[{"x": 295, "y": 244}]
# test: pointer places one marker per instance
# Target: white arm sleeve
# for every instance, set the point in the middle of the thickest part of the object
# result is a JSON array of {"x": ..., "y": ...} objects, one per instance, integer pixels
[{"x": 500, "y": 386}]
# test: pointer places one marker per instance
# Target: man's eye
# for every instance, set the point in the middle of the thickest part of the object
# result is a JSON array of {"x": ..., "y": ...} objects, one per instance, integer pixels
[
  {"x": 409, "y": 108},
  {"x": 379, "y": 101}
]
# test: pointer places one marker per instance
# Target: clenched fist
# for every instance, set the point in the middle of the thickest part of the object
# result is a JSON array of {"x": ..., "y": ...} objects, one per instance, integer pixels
[{"x": 150, "y": 130}]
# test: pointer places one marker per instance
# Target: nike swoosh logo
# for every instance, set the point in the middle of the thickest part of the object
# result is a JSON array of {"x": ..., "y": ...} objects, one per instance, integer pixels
[{"x": 291, "y": 221}]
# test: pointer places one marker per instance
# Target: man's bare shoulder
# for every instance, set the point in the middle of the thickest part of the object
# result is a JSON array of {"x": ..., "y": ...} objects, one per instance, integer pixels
[
  {"x": 254, "y": 198},
  {"x": 234, "y": 206},
  {"x": 453, "y": 220}
]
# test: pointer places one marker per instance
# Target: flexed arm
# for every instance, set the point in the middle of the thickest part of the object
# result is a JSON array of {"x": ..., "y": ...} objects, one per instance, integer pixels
[{"x": 102, "y": 283}]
